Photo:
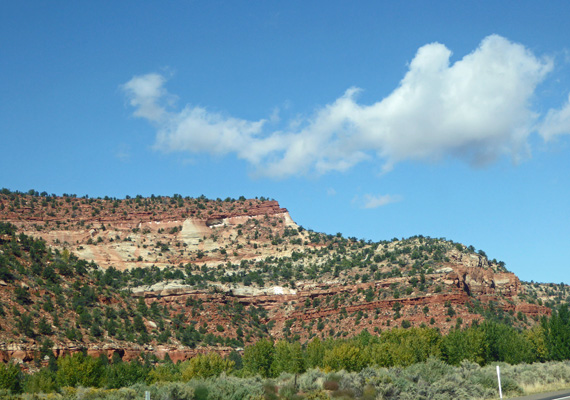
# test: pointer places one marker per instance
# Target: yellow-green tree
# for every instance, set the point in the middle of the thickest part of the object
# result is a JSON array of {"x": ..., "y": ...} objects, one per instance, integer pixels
[
  {"x": 79, "y": 370},
  {"x": 467, "y": 344},
  {"x": 205, "y": 366},
  {"x": 536, "y": 337},
  {"x": 258, "y": 358},
  {"x": 315, "y": 353},
  {"x": 167, "y": 372},
  {"x": 404, "y": 347},
  {"x": 347, "y": 356},
  {"x": 288, "y": 357}
]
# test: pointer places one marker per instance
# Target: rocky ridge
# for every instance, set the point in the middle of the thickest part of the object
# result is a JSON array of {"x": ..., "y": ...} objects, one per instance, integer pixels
[{"x": 242, "y": 269}]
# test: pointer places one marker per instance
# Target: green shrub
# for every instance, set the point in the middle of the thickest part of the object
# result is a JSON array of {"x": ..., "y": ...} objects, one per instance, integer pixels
[
  {"x": 430, "y": 371},
  {"x": 317, "y": 395},
  {"x": 288, "y": 392},
  {"x": 330, "y": 385},
  {"x": 171, "y": 390},
  {"x": 351, "y": 383},
  {"x": 201, "y": 392},
  {"x": 10, "y": 377},
  {"x": 230, "y": 387},
  {"x": 167, "y": 372},
  {"x": 43, "y": 381},
  {"x": 312, "y": 380}
]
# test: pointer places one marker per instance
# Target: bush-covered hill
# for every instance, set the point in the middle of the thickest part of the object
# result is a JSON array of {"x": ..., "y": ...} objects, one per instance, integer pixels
[{"x": 199, "y": 274}]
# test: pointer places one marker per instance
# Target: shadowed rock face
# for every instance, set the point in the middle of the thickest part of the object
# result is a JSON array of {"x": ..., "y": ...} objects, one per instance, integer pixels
[
  {"x": 475, "y": 281},
  {"x": 214, "y": 221}
]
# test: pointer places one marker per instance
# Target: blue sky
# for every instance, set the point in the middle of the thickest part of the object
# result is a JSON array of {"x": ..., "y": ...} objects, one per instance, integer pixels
[{"x": 373, "y": 119}]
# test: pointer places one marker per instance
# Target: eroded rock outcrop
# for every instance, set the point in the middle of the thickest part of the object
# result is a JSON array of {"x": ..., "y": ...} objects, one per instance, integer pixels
[{"x": 477, "y": 280}]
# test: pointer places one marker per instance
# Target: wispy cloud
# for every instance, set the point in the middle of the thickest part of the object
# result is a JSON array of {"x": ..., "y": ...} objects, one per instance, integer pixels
[
  {"x": 476, "y": 110},
  {"x": 374, "y": 201},
  {"x": 123, "y": 153},
  {"x": 556, "y": 122}
]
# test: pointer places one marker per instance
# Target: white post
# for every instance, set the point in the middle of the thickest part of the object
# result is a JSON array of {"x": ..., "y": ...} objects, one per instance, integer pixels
[
  {"x": 499, "y": 378},
  {"x": 146, "y": 395}
]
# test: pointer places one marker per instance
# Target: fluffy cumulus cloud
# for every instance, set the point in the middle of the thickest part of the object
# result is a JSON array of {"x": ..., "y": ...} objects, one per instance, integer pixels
[
  {"x": 145, "y": 94},
  {"x": 475, "y": 109}
]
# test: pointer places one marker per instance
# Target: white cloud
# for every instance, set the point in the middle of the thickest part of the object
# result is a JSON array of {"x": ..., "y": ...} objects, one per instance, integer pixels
[
  {"x": 375, "y": 201},
  {"x": 144, "y": 93},
  {"x": 196, "y": 130},
  {"x": 556, "y": 122},
  {"x": 476, "y": 109}
]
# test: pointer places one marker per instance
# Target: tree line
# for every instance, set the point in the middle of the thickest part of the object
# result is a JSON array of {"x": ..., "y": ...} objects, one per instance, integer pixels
[{"x": 482, "y": 344}]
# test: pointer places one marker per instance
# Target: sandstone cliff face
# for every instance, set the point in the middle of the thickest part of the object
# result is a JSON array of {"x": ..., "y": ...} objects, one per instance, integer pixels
[
  {"x": 128, "y": 238},
  {"x": 286, "y": 311}
]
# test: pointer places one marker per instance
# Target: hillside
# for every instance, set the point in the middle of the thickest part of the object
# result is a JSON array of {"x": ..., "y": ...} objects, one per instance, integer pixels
[{"x": 182, "y": 275}]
